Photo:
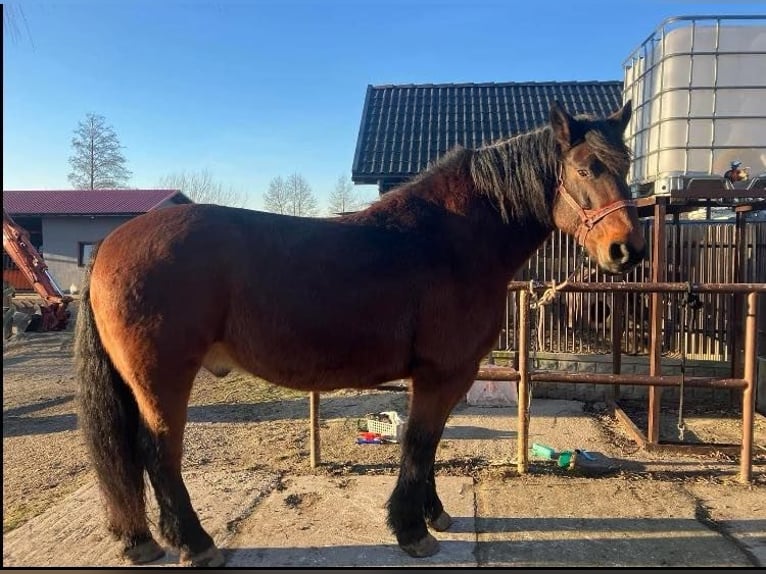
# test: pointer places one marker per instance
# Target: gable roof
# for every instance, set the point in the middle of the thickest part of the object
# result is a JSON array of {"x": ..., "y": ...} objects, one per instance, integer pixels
[
  {"x": 405, "y": 127},
  {"x": 89, "y": 202}
]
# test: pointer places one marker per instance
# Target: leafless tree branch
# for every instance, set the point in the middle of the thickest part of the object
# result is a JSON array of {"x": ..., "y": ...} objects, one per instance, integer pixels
[
  {"x": 201, "y": 187},
  {"x": 291, "y": 196}
]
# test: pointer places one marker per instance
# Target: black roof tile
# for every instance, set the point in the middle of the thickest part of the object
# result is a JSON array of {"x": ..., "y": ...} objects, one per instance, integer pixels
[{"x": 405, "y": 127}]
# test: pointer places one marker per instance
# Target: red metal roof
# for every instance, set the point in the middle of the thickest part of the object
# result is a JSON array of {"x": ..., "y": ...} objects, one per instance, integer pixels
[{"x": 88, "y": 202}]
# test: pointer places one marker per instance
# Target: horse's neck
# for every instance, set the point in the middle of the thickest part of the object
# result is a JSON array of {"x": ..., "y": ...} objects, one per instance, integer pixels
[
  {"x": 455, "y": 210},
  {"x": 520, "y": 241}
]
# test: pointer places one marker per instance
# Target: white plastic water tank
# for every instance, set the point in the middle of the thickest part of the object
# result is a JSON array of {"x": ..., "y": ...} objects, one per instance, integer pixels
[{"x": 698, "y": 87}]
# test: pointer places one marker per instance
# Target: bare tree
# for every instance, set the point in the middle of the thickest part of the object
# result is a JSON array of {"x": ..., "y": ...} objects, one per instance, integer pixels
[
  {"x": 345, "y": 197},
  {"x": 302, "y": 199},
  {"x": 276, "y": 198},
  {"x": 97, "y": 162},
  {"x": 291, "y": 196},
  {"x": 201, "y": 187}
]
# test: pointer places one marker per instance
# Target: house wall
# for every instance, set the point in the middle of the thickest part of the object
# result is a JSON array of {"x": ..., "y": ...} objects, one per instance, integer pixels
[{"x": 61, "y": 243}]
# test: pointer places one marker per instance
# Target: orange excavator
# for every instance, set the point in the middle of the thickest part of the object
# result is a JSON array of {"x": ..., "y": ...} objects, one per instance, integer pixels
[{"x": 17, "y": 245}]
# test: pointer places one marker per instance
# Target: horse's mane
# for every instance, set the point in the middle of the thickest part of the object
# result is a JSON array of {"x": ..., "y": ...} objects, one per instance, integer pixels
[
  {"x": 455, "y": 160},
  {"x": 509, "y": 172},
  {"x": 519, "y": 173},
  {"x": 608, "y": 146}
]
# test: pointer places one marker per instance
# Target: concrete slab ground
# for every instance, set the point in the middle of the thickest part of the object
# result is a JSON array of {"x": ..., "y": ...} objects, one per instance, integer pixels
[
  {"x": 490, "y": 432},
  {"x": 541, "y": 519},
  {"x": 72, "y": 533},
  {"x": 598, "y": 523},
  {"x": 320, "y": 521}
]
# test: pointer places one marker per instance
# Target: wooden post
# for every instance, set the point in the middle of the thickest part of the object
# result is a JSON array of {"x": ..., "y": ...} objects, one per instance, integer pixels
[
  {"x": 314, "y": 447},
  {"x": 748, "y": 394},
  {"x": 618, "y": 328},
  {"x": 655, "y": 346},
  {"x": 522, "y": 440},
  {"x": 673, "y": 271},
  {"x": 736, "y": 358}
]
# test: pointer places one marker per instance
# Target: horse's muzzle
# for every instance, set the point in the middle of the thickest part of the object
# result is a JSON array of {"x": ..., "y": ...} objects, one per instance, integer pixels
[{"x": 622, "y": 257}]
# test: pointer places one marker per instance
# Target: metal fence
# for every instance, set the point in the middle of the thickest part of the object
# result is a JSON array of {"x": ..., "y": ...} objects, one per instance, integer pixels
[{"x": 696, "y": 251}]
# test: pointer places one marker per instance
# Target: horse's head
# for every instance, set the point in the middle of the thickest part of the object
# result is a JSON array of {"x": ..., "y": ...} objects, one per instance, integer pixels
[{"x": 592, "y": 199}]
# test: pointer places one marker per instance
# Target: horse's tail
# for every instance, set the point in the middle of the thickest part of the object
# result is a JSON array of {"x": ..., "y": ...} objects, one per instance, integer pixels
[{"x": 110, "y": 423}]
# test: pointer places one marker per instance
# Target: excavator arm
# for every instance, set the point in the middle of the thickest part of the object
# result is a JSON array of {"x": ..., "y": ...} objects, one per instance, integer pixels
[{"x": 19, "y": 248}]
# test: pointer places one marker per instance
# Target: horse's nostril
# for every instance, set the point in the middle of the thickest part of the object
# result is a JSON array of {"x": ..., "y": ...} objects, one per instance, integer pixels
[{"x": 619, "y": 252}]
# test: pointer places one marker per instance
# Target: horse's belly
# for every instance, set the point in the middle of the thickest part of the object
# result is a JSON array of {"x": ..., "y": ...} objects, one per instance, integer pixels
[{"x": 319, "y": 363}]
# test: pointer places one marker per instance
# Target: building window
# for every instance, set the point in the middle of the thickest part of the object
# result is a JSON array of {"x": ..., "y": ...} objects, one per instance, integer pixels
[{"x": 83, "y": 255}]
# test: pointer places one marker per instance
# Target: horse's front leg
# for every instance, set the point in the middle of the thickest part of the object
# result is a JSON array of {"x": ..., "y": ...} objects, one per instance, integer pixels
[
  {"x": 436, "y": 517},
  {"x": 414, "y": 500}
]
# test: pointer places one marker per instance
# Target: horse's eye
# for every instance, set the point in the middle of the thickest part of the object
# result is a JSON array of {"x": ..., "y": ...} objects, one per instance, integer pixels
[{"x": 583, "y": 172}]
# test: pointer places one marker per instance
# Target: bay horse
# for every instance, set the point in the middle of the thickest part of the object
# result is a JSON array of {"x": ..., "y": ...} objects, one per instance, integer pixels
[{"x": 414, "y": 286}]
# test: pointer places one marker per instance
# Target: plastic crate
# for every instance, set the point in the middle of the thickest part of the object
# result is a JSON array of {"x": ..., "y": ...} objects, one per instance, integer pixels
[{"x": 390, "y": 431}]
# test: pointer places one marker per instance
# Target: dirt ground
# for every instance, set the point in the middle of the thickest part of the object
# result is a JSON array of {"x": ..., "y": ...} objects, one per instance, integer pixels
[{"x": 242, "y": 423}]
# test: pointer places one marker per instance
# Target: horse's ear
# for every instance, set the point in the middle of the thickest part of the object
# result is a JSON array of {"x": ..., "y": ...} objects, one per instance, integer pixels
[
  {"x": 622, "y": 116},
  {"x": 566, "y": 129}
]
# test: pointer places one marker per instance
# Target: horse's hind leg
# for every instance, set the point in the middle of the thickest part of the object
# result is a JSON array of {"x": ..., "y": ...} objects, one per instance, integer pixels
[
  {"x": 414, "y": 499},
  {"x": 163, "y": 450}
]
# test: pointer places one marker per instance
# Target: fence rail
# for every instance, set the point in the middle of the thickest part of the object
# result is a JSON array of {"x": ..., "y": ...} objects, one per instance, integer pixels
[{"x": 697, "y": 252}]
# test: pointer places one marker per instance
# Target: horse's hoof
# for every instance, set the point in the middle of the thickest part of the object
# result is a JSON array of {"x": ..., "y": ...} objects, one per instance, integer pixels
[
  {"x": 210, "y": 558},
  {"x": 441, "y": 523},
  {"x": 147, "y": 551},
  {"x": 427, "y": 546}
]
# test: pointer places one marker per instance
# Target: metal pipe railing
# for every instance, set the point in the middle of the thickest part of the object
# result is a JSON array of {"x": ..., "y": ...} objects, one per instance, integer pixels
[
  {"x": 662, "y": 287},
  {"x": 525, "y": 377}
]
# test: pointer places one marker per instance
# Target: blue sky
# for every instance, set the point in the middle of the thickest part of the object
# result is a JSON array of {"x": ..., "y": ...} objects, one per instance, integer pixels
[{"x": 251, "y": 90}]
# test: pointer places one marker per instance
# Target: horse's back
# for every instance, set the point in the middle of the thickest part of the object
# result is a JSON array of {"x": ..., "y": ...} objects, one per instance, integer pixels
[{"x": 205, "y": 238}]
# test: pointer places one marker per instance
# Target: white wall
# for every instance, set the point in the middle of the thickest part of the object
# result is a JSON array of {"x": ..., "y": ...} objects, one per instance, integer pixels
[{"x": 61, "y": 239}]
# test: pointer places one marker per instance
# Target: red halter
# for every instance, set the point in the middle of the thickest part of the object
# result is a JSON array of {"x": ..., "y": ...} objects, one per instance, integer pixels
[{"x": 589, "y": 217}]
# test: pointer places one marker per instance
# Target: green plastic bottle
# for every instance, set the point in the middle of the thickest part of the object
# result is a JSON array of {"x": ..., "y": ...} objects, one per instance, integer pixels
[
  {"x": 567, "y": 459},
  {"x": 542, "y": 451}
]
